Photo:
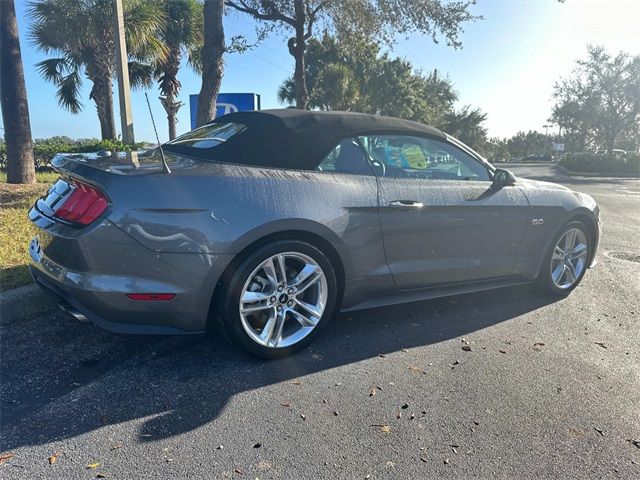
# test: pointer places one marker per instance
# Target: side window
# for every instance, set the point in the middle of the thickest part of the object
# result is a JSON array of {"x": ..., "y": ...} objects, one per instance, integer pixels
[
  {"x": 405, "y": 156},
  {"x": 346, "y": 157}
]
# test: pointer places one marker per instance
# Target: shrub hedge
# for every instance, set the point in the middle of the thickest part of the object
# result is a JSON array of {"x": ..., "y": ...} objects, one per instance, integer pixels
[
  {"x": 45, "y": 150},
  {"x": 589, "y": 162}
]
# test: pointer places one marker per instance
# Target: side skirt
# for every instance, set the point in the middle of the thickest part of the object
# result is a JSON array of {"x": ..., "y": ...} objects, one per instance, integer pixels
[{"x": 406, "y": 296}]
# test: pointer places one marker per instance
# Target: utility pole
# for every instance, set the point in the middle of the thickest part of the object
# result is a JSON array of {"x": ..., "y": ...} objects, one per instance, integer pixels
[{"x": 124, "y": 92}]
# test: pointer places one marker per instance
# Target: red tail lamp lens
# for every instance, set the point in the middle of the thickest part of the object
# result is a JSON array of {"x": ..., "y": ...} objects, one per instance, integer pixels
[
  {"x": 84, "y": 205},
  {"x": 151, "y": 296}
]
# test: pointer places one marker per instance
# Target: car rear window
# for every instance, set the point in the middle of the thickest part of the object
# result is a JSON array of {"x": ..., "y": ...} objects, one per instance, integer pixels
[{"x": 209, "y": 136}]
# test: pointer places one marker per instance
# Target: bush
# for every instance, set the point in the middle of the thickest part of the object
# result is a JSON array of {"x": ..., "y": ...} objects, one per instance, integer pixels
[
  {"x": 588, "y": 162},
  {"x": 45, "y": 149}
]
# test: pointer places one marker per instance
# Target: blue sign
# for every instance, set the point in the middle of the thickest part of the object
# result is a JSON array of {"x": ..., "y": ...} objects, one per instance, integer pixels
[{"x": 227, "y": 103}]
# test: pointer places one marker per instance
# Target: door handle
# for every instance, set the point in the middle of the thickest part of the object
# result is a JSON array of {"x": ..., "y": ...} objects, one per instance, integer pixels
[{"x": 405, "y": 204}]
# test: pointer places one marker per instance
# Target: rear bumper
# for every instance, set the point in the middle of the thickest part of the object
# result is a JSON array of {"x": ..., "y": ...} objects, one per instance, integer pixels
[
  {"x": 91, "y": 275},
  {"x": 74, "y": 303}
]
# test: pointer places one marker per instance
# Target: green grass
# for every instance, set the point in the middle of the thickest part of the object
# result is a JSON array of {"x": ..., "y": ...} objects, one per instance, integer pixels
[{"x": 15, "y": 228}]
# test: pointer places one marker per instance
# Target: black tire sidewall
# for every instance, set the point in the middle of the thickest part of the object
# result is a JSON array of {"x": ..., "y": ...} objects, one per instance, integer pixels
[
  {"x": 231, "y": 316},
  {"x": 544, "y": 279}
]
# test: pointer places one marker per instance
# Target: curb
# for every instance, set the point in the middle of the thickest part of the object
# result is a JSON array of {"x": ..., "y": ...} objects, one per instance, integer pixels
[
  {"x": 595, "y": 174},
  {"x": 23, "y": 302}
]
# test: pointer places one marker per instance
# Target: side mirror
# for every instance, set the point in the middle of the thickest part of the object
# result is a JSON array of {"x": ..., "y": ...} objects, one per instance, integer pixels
[{"x": 503, "y": 178}]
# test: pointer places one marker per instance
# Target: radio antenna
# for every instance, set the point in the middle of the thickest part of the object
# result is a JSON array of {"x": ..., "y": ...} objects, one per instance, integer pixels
[{"x": 165, "y": 167}]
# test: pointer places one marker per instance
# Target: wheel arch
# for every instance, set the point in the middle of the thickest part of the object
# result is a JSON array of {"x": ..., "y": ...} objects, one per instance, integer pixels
[
  {"x": 314, "y": 238},
  {"x": 584, "y": 216}
]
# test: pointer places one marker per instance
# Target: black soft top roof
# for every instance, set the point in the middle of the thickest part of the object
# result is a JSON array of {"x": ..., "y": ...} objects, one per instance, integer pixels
[{"x": 298, "y": 139}]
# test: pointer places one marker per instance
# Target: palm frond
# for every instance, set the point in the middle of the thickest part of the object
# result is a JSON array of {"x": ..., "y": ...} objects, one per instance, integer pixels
[
  {"x": 52, "y": 69},
  {"x": 144, "y": 20},
  {"x": 68, "y": 91},
  {"x": 194, "y": 59},
  {"x": 140, "y": 74}
]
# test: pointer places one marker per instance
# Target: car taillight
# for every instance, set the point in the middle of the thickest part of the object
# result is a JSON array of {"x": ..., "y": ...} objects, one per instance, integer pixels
[{"x": 84, "y": 205}]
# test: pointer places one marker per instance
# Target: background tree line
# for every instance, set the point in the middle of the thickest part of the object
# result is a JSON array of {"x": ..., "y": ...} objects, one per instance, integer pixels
[{"x": 339, "y": 48}]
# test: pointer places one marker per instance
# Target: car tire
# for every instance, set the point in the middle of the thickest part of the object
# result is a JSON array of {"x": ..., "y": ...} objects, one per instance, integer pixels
[
  {"x": 548, "y": 278},
  {"x": 252, "y": 280}
]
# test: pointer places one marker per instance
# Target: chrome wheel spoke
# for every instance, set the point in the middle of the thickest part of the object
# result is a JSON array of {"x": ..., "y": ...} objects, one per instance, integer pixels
[
  {"x": 309, "y": 281},
  {"x": 267, "y": 330},
  {"x": 311, "y": 309},
  {"x": 303, "y": 319},
  {"x": 571, "y": 272},
  {"x": 282, "y": 269},
  {"x": 276, "y": 336},
  {"x": 252, "y": 297},
  {"x": 558, "y": 253},
  {"x": 256, "y": 308},
  {"x": 270, "y": 271},
  {"x": 578, "y": 251},
  {"x": 304, "y": 274},
  {"x": 570, "y": 240},
  {"x": 558, "y": 272}
]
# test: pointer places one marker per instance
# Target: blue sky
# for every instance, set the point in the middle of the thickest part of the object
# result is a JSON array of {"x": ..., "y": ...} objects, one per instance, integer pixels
[{"x": 507, "y": 66}]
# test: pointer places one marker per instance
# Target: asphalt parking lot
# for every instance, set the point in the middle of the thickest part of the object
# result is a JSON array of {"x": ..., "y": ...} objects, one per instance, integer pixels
[{"x": 547, "y": 388}]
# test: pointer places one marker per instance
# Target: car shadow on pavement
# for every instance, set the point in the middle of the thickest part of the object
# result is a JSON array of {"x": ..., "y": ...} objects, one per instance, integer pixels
[{"x": 61, "y": 378}]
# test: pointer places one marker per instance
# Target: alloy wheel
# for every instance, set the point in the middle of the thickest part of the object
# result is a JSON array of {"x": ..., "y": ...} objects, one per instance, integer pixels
[
  {"x": 283, "y": 299},
  {"x": 569, "y": 258}
]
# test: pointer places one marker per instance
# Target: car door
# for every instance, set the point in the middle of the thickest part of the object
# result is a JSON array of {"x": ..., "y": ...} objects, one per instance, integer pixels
[{"x": 442, "y": 221}]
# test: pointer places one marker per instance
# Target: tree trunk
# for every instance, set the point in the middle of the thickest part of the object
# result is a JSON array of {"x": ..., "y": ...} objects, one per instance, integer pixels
[
  {"x": 212, "y": 65},
  {"x": 171, "y": 116},
  {"x": 13, "y": 97},
  {"x": 170, "y": 88},
  {"x": 104, "y": 106},
  {"x": 297, "y": 46},
  {"x": 611, "y": 141},
  {"x": 100, "y": 74}
]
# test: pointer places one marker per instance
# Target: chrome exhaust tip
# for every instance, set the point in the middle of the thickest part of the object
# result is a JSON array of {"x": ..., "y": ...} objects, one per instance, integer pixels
[{"x": 73, "y": 312}]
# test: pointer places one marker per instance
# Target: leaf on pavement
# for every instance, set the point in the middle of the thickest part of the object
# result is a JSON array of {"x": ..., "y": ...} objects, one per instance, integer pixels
[
  {"x": 54, "y": 458},
  {"x": 93, "y": 465},
  {"x": 6, "y": 456},
  {"x": 538, "y": 346},
  {"x": 416, "y": 369},
  {"x": 385, "y": 428}
]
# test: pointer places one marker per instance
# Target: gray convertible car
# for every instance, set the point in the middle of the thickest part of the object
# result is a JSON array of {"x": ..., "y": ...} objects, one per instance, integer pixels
[{"x": 264, "y": 224}]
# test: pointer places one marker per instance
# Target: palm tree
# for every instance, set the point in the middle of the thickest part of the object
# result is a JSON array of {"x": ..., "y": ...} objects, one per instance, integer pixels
[
  {"x": 81, "y": 33},
  {"x": 13, "y": 97},
  {"x": 182, "y": 34}
]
